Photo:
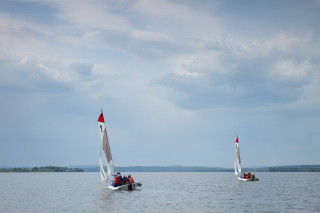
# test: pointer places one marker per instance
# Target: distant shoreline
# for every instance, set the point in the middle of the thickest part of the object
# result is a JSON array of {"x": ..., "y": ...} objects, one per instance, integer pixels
[
  {"x": 42, "y": 169},
  {"x": 82, "y": 168}
]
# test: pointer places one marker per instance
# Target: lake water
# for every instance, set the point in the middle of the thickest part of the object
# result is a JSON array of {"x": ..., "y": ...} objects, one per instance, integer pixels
[{"x": 160, "y": 192}]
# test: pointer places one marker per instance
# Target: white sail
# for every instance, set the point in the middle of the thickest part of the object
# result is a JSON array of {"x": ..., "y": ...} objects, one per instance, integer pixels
[
  {"x": 105, "y": 150},
  {"x": 235, "y": 167},
  {"x": 237, "y": 161}
]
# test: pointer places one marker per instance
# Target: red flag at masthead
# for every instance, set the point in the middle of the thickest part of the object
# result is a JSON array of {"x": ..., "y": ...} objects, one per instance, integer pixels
[
  {"x": 101, "y": 119},
  {"x": 237, "y": 141}
]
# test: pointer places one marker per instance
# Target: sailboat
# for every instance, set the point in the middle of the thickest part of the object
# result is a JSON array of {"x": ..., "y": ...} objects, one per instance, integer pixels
[
  {"x": 237, "y": 165},
  {"x": 105, "y": 152}
]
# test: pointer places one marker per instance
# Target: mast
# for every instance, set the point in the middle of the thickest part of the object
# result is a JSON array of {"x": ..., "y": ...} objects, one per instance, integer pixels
[{"x": 105, "y": 150}]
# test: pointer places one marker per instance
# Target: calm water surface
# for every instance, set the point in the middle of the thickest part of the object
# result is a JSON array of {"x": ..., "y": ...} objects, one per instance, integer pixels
[{"x": 160, "y": 192}]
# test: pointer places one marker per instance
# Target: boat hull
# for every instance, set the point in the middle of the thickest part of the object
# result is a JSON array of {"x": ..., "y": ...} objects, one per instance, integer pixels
[
  {"x": 243, "y": 179},
  {"x": 128, "y": 187}
]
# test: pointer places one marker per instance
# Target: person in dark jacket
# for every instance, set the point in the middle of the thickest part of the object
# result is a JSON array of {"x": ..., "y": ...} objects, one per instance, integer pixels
[{"x": 125, "y": 180}]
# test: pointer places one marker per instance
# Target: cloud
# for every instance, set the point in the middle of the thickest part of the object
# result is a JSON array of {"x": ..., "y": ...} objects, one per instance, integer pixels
[
  {"x": 84, "y": 69},
  {"x": 237, "y": 75},
  {"x": 102, "y": 15},
  {"x": 111, "y": 26},
  {"x": 203, "y": 72},
  {"x": 289, "y": 69},
  {"x": 185, "y": 22}
]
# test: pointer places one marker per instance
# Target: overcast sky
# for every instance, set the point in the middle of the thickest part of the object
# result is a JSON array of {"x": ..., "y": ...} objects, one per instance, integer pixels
[{"x": 177, "y": 80}]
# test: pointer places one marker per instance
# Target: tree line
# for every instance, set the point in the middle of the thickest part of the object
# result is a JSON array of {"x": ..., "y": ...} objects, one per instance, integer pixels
[
  {"x": 42, "y": 169},
  {"x": 286, "y": 169}
]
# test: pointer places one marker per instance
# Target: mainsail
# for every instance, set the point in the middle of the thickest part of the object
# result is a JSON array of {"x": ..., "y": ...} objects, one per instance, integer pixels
[
  {"x": 104, "y": 145},
  {"x": 237, "y": 161}
]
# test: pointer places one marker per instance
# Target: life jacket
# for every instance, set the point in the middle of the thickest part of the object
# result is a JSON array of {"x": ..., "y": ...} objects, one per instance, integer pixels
[
  {"x": 131, "y": 180},
  {"x": 117, "y": 180}
]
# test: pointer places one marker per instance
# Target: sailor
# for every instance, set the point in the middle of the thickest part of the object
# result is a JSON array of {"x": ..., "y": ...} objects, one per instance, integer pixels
[
  {"x": 131, "y": 180},
  {"x": 125, "y": 180},
  {"x": 253, "y": 176},
  {"x": 249, "y": 175},
  {"x": 118, "y": 180}
]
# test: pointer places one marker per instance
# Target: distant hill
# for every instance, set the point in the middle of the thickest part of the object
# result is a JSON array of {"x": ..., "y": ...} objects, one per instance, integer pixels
[
  {"x": 289, "y": 168},
  {"x": 174, "y": 168},
  {"x": 295, "y": 168}
]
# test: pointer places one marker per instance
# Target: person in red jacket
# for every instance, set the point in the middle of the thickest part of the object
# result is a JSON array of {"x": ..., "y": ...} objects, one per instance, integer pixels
[
  {"x": 131, "y": 180},
  {"x": 249, "y": 175},
  {"x": 117, "y": 180},
  {"x": 244, "y": 175}
]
